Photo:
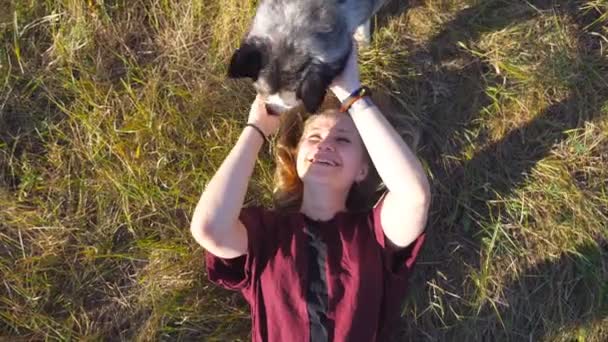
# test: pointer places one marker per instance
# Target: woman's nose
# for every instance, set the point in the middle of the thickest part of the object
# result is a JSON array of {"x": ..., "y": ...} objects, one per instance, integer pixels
[{"x": 326, "y": 144}]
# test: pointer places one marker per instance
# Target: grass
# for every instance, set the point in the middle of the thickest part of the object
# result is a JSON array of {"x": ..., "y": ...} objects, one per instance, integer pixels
[{"x": 113, "y": 116}]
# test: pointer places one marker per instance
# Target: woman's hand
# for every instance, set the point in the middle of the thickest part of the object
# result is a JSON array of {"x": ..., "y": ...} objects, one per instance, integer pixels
[
  {"x": 348, "y": 81},
  {"x": 259, "y": 116}
]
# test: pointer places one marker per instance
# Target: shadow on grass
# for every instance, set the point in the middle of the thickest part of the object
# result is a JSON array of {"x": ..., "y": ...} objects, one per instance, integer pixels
[
  {"x": 560, "y": 295},
  {"x": 462, "y": 190}
]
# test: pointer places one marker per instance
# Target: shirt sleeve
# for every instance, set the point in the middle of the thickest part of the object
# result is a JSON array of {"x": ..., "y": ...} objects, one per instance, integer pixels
[
  {"x": 237, "y": 273},
  {"x": 398, "y": 261}
]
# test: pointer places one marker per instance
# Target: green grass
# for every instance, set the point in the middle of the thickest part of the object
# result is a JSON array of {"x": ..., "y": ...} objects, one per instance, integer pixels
[{"x": 114, "y": 115}]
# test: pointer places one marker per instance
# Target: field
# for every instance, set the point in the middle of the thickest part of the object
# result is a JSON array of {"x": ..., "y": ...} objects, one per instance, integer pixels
[{"x": 115, "y": 114}]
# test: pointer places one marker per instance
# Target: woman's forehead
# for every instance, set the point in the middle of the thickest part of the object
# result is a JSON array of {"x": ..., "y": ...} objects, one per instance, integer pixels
[{"x": 340, "y": 121}]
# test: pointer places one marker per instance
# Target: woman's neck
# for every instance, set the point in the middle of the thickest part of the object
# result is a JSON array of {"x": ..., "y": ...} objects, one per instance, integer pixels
[{"x": 322, "y": 202}]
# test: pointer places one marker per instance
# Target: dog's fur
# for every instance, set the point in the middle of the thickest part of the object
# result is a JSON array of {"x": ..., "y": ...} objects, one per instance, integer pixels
[{"x": 295, "y": 48}]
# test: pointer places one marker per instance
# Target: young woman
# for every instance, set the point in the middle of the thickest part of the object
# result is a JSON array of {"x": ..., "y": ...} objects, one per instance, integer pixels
[{"x": 318, "y": 267}]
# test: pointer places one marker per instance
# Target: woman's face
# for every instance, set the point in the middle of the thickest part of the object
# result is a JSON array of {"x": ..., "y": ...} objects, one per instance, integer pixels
[{"x": 331, "y": 153}]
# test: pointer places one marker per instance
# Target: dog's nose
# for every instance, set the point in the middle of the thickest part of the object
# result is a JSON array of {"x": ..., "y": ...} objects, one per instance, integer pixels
[{"x": 270, "y": 110}]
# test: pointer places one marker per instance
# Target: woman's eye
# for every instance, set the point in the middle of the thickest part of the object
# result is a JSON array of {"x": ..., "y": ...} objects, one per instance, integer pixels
[{"x": 314, "y": 137}]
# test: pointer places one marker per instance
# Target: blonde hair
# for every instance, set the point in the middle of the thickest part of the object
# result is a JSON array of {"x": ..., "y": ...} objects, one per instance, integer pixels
[{"x": 288, "y": 187}]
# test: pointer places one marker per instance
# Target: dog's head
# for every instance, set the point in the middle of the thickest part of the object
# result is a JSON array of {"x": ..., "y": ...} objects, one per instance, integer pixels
[{"x": 293, "y": 59}]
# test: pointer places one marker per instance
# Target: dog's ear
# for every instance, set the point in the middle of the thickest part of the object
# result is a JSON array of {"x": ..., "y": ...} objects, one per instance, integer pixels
[
  {"x": 246, "y": 61},
  {"x": 312, "y": 88}
]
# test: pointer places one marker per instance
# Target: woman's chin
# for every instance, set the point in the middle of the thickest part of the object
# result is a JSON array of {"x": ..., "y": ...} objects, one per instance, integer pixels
[
  {"x": 323, "y": 180},
  {"x": 320, "y": 174}
]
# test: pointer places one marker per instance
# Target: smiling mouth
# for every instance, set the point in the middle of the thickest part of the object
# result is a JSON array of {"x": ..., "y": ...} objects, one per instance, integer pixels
[{"x": 325, "y": 162}]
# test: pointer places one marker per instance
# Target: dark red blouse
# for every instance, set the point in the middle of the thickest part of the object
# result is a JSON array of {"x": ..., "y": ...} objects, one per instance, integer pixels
[{"x": 310, "y": 280}]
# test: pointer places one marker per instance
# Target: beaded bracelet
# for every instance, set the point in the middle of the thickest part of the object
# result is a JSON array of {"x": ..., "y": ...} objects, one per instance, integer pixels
[{"x": 353, "y": 97}]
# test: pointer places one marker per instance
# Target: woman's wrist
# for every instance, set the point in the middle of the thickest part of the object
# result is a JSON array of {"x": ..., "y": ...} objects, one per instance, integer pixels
[
  {"x": 258, "y": 130},
  {"x": 361, "y": 104},
  {"x": 355, "y": 99},
  {"x": 342, "y": 92}
]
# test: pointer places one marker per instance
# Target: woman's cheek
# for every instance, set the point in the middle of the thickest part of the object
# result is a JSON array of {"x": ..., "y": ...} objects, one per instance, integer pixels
[{"x": 301, "y": 159}]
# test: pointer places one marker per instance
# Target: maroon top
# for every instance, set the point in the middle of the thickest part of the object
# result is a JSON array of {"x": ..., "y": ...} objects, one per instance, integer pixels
[{"x": 311, "y": 280}]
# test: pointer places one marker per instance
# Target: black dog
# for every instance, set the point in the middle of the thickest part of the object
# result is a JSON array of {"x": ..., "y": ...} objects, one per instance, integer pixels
[{"x": 295, "y": 48}]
